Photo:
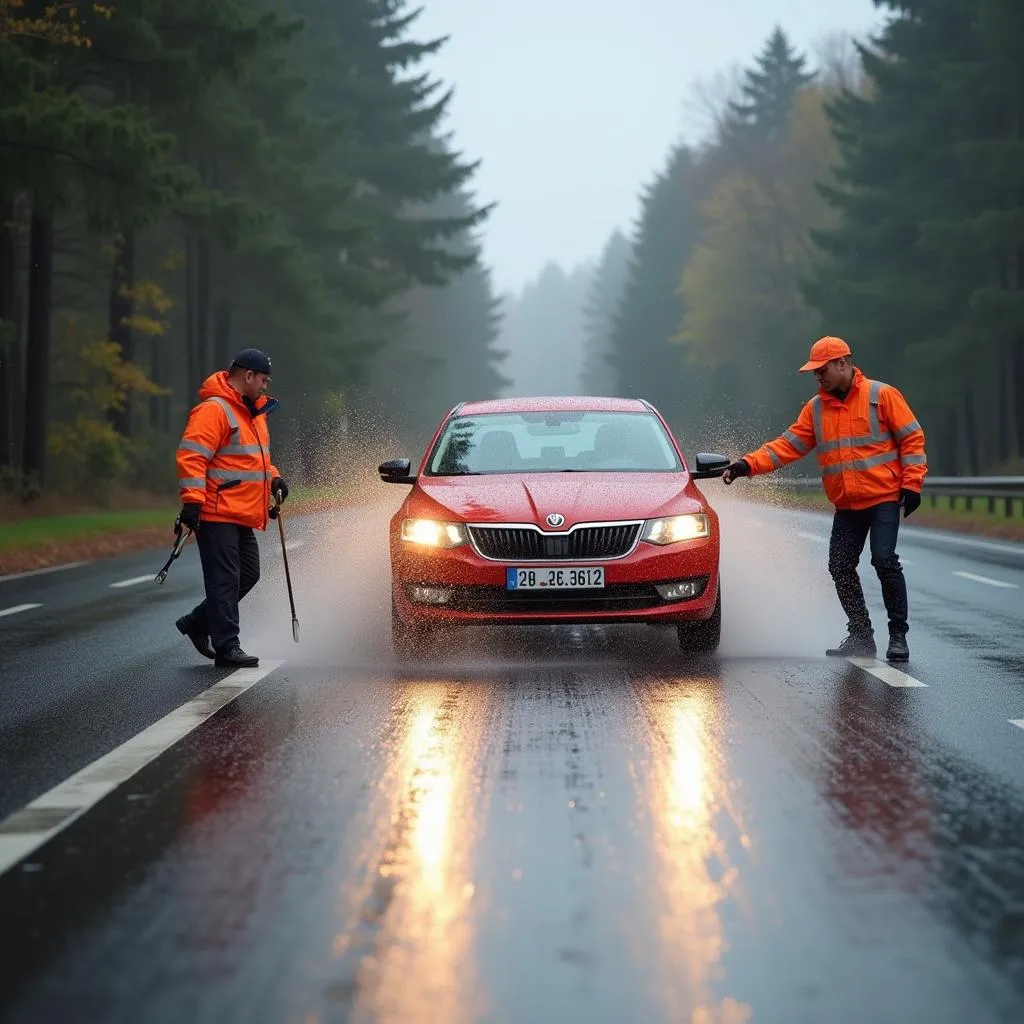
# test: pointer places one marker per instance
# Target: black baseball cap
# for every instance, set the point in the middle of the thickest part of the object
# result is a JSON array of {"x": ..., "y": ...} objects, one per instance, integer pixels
[{"x": 252, "y": 359}]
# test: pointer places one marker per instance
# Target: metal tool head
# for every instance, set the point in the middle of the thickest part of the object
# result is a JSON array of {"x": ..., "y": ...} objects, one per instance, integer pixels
[{"x": 181, "y": 534}]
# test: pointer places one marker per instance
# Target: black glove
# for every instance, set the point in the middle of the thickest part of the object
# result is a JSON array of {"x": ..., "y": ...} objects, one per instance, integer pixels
[
  {"x": 738, "y": 468},
  {"x": 278, "y": 484},
  {"x": 910, "y": 500},
  {"x": 188, "y": 516}
]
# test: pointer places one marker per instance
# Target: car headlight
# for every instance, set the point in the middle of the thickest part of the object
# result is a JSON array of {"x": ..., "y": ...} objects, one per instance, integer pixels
[
  {"x": 433, "y": 534},
  {"x": 673, "y": 529}
]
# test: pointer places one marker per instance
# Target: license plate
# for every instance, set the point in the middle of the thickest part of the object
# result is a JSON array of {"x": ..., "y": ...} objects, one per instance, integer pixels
[{"x": 554, "y": 579}]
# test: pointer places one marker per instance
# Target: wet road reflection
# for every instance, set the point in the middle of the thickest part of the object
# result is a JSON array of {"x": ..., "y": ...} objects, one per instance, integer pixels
[
  {"x": 695, "y": 826},
  {"x": 410, "y": 928},
  {"x": 586, "y": 832},
  {"x": 875, "y": 778}
]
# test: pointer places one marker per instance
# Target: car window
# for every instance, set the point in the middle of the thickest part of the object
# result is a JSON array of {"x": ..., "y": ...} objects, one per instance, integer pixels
[{"x": 553, "y": 442}]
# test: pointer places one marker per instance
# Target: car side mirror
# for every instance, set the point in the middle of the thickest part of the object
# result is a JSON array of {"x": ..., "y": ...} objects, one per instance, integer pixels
[
  {"x": 710, "y": 464},
  {"x": 396, "y": 471}
]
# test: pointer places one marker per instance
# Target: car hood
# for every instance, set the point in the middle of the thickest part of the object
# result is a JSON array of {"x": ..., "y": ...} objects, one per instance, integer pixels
[{"x": 579, "y": 497}]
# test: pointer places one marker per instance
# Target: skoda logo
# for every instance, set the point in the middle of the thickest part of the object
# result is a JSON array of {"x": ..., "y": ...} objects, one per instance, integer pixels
[{"x": 556, "y": 519}]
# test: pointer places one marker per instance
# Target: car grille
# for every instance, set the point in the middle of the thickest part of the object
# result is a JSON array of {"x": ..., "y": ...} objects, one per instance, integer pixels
[
  {"x": 619, "y": 597},
  {"x": 588, "y": 543}
]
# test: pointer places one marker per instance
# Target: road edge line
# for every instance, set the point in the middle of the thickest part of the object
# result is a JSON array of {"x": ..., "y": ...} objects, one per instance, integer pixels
[
  {"x": 24, "y": 831},
  {"x": 45, "y": 571}
]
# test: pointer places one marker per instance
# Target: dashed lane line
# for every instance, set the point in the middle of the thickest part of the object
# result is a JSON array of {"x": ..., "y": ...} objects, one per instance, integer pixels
[
  {"x": 18, "y": 608},
  {"x": 42, "y": 572},
  {"x": 888, "y": 674},
  {"x": 985, "y": 579},
  {"x": 134, "y": 581},
  {"x": 1019, "y": 722},
  {"x": 35, "y": 824}
]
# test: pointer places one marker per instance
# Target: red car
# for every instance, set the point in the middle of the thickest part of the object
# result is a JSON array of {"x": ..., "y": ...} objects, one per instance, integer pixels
[{"x": 545, "y": 511}]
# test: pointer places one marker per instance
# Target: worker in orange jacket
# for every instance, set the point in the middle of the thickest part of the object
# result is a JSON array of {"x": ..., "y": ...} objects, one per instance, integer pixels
[
  {"x": 226, "y": 479},
  {"x": 873, "y": 463}
]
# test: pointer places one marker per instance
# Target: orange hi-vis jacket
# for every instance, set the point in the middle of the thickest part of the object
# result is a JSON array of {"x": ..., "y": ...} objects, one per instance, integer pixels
[
  {"x": 870, "y": 446},
  {"x": 224, "y": 456}
]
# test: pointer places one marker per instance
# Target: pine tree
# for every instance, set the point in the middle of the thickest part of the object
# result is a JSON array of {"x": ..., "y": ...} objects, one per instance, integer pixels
[
  {"x": 603, "y": 299},
  {"x": 390, "y": 141},
  {"x": 644, "y": 360},
  {"x": 443, "y": 337},
  {"x": 769, "y": 91},
  {"x": 922, "y": 273}
]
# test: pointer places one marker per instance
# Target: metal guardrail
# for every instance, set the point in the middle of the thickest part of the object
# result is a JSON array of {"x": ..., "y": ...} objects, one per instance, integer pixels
[{"x": 990, "y": 489}]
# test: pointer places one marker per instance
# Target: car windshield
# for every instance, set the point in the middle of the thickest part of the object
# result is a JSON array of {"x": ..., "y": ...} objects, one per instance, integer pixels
[{"x": 553, "y": 442}]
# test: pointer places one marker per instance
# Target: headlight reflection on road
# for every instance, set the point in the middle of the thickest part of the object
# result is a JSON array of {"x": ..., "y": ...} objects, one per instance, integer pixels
[
  {"x": 695, "y": 874},
  {"x": 434, "y": 778},
  {"x": 419, "y": 969}
]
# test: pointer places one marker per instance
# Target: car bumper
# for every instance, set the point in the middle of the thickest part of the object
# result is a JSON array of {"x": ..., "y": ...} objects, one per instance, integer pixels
[{"x": 477, "y": 593}]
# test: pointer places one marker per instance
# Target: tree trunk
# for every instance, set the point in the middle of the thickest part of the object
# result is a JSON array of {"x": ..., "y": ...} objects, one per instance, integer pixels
[
  {"x": 9, "y": 383},
  {"x": 191, "y": 355},
  {"x": 222, "y": 333},
  {"x": 122, "y": 308},
  {"x": 206, "y": 360},
  {"x": 156, "y": 375},
  {"x": 970, "y": 435},
  {"x": 1017, "y": 374},
  {"x": 1010, "y": 385},
  {"x": 37, "y": 368}
]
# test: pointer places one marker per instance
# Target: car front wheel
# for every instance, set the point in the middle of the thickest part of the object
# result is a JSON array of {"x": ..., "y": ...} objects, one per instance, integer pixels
[{"x": 703, "y": 636}]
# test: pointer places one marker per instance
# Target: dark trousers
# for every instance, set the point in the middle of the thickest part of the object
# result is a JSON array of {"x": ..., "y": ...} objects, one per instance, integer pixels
[
  {"x": 850, "y": 529},
  {"x": 231, "y": 568}
]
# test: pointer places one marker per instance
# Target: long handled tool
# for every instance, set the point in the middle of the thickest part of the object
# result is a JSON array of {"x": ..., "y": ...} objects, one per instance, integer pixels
[
  {"x": 275, "y": 513},
  {"x": 181, "y": 535}
]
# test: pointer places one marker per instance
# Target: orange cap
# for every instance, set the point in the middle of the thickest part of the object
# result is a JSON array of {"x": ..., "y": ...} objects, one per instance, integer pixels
[{"x": 824, "y": 350}]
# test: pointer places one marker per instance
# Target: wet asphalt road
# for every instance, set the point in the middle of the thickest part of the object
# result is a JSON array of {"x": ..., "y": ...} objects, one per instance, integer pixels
[{"x": 543, "y": 825}]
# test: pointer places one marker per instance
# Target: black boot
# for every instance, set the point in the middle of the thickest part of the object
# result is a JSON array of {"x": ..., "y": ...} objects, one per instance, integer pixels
[
  {"x": 856, "y": 645},
  {"x": 898, "y": 649},
  {"x": 235, "y": 657},
  {"x": 200, "y": 641}
]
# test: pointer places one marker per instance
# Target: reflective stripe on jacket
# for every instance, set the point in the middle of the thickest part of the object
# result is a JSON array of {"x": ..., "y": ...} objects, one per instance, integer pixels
[
  {"x": 870, "y": 446},
  {"x": 224, "y": 456}
]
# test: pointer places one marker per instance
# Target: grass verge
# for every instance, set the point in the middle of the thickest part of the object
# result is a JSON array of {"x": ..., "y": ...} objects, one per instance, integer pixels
[
  {"x": 38, "y": 542},
  {"x": 945, "y": 515}
]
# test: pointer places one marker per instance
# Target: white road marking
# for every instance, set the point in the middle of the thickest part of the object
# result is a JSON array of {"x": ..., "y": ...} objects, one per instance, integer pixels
[
  {"x": 35, "y": 824},
  {"x": 888, "y": 674},
  {"x": 1019, "y": 722},
  {"x": 42, "y": 572},
  {"x": 18, "y": 608},
  {"x": 134, "y": 581},
  {"x": 289, "y": 545},
  {"x": 814, "y": 536},
  {"x": 985, "y": 579}
]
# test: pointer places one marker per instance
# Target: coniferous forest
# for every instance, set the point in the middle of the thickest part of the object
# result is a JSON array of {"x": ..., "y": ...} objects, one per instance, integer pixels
[
  {"x": 183, "y": 179},
  {"x": 876, "y": 193}
]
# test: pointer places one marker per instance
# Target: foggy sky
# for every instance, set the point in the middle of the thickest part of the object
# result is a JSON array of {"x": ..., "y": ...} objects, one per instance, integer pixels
[{"x": 572, "y": 105}]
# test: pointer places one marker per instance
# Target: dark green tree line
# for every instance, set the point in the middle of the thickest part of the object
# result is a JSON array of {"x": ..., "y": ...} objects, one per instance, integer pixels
[
  {"x": 603, "y": 298},
  {"x": 925, "y": 269},
  {"x": 180, "y": 179}
]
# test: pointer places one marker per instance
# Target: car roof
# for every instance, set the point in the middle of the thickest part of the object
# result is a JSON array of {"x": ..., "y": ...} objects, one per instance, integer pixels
[{"x": 554, "y": 403}]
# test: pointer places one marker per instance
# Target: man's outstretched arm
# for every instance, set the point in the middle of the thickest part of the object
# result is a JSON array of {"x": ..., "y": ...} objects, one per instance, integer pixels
[{"x": 789, "y": 446}]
